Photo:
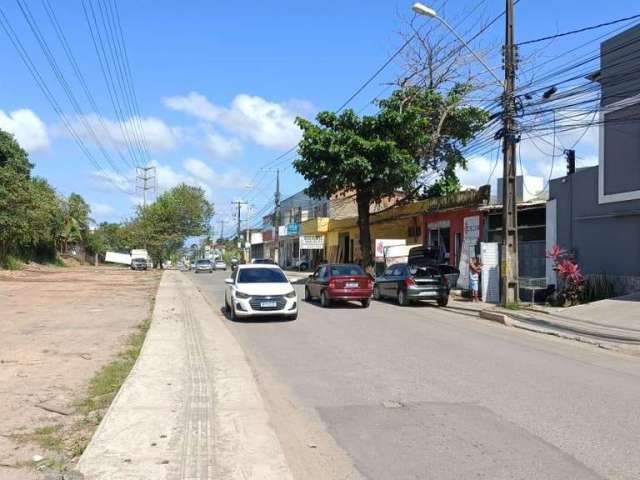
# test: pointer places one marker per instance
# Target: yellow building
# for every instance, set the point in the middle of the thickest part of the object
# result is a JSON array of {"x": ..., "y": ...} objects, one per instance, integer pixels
[{"x": 342, "y": 235}]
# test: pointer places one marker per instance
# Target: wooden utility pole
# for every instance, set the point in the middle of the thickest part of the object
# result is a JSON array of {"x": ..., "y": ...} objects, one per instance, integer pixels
[{"x": 509, "y": 267}]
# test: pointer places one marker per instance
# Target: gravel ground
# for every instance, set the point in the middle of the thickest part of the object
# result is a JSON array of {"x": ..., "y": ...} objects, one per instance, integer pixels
[{"x": 59, "y": 326}]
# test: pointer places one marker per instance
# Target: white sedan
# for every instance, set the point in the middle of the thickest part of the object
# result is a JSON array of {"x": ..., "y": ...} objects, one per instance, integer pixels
[{"x": 260, "y": 289}]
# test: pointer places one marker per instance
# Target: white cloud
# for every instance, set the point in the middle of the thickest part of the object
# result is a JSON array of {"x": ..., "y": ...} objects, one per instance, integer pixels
[
  {"x": 109, "y": 181},
  {"x": 221, "y": 147},
  {"x": 194, "y": 104},
  {"x": 479, "y": 170},
  {"x": 26, "y": 126},
  {"x": 112, "y": 134},
  {"x": 269, "y": 124},
  {"x": 101, "y": 209},
  {"x": 204, "y": 173}
]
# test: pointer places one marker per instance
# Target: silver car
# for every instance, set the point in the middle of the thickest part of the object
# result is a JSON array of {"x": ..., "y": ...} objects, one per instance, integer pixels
[
  {"x": 204, "y": 266},
  {"x": 219, "y": 265}
]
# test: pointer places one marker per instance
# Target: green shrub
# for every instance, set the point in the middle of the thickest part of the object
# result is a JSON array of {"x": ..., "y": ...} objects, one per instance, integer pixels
[
  {"x": 12, "y": 263},
  {"x": 597, "y": 287}
]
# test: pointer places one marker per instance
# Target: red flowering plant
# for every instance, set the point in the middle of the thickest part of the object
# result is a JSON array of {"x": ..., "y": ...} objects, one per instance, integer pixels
[{"x": 569, "y": 272}]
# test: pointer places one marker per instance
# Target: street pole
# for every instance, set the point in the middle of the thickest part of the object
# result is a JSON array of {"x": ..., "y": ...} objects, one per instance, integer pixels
[
  {"x": 222, "y": 222},
  {"x": 276, "y": 220},
  {"x": 509, "y": 267}
]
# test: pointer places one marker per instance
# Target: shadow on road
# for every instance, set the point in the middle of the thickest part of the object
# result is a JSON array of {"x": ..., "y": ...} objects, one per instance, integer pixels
[{"x": 256, "y": 319}]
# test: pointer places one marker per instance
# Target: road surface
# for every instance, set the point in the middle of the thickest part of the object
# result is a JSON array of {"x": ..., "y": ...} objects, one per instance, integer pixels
[{"x": 426, "y": 393}]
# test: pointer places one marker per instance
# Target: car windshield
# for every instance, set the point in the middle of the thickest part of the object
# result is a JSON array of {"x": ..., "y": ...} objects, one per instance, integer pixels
[
  {"x": 261, "y": 275},
  {"x": 203, "y": 262},
  {"x": 337, "y": 270}
]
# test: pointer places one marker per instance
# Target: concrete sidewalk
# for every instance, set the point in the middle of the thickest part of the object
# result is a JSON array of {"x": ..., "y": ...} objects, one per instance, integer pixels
[
  {"x": 612, "y": 324},
  {"x": 190, "y": 409}
]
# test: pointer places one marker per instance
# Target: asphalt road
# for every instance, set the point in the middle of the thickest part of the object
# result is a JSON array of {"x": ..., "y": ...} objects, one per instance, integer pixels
[{"x": 428, "y": 393}]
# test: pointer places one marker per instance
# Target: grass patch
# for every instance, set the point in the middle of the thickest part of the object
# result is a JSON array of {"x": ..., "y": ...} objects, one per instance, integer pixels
[
  {"x": 12, "y": 263},
  {"x": 49, "y": 437},
  {"x": 104, "y": 386},
  {"x": 512, "y": 306}
]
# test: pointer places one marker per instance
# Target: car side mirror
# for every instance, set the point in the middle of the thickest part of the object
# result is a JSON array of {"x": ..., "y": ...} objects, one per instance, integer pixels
[{"x": 228, "y": 281}]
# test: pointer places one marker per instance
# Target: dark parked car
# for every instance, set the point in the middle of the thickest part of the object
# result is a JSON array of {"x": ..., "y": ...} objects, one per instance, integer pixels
[
  {"x": 139, "y": 264},
  {"x": 424, "y": 277},
  {"x": 266, "y": 261},
  {"x": 339, "y": 282}
]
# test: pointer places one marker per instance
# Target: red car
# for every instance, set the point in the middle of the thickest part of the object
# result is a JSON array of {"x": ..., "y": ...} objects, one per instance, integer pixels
[{"x": 339, "y": 282}]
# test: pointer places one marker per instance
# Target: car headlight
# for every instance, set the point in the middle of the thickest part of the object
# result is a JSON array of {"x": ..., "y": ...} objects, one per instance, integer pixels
[
  {"x": 291, "y": 294},
  {"x": 242, "y": 295}
]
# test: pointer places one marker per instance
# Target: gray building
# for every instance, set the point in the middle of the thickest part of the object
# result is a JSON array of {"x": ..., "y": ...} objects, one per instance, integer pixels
[{"x": 596, "y": 210}]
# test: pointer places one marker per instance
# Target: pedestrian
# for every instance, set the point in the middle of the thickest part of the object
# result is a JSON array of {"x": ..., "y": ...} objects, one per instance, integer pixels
[{"x": 475, "y": 266}]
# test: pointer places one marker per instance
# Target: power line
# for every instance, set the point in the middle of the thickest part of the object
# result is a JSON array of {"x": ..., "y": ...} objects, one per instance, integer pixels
[{"x": 580, "y": 30}]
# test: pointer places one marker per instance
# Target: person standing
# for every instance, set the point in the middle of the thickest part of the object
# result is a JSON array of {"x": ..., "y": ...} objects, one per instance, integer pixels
[{"x": 475, "y": 266}]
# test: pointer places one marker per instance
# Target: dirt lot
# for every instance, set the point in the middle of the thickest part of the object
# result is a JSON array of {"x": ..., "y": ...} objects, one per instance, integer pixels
[{"x": 58, "y": 328}]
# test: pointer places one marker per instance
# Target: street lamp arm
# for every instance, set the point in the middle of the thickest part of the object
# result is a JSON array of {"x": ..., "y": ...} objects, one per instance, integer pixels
[{"x": 468, "y": 47}]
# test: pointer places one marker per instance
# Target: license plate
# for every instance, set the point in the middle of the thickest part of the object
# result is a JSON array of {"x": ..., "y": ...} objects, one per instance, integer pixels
[
  {"x": 352, "y": 285},
  {"x": 268, "y": 304}
]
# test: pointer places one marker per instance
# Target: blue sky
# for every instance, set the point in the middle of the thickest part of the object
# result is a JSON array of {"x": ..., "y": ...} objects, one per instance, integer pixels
[{"x": 219, "y": 83}]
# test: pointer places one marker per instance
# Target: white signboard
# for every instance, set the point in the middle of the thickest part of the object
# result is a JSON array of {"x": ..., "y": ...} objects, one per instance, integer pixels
[
  {"x": 256, "y": 238},
  {"x": 382, "y": 244},
  {"x": 282, "y": 231},
  {"x": 490, "y": 272},
  {"x": 469, "y": 241},
  {"x": 311, "y": 242}
]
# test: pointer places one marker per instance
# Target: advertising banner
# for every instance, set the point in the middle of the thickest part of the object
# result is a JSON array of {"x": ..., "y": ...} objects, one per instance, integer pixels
[{"x": 311, "y": 242}]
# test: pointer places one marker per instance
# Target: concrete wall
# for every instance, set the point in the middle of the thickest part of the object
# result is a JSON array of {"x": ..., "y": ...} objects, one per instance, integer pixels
[{"x": 604, "y": 237}]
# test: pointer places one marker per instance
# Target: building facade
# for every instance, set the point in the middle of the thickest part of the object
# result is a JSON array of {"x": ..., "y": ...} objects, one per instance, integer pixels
[{"x": 596, "y": 211}]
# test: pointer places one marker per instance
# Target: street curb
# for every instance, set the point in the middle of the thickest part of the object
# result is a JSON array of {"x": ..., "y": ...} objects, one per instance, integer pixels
[
  {"x": 496, "y": 317},
  {"x": 509, "y": 321}
]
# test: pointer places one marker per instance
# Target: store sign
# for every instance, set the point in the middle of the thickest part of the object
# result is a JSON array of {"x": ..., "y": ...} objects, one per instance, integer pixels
[
  {"x": 282, "y": 231},
  {"x": 472, "y": 227},
  {"x": 383, "y": 244},
  {"x": 311, "y": 242},
  {"x": 293, "y": 228}
]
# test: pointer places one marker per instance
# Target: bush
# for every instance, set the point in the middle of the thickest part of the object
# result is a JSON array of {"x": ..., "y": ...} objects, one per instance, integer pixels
[
  {"x": 597, "y": 287},
  {"x": 12, "y": 263}
]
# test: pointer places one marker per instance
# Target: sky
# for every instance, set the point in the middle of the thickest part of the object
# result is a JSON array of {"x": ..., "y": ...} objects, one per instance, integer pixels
[{"x": 219, "y": 84}]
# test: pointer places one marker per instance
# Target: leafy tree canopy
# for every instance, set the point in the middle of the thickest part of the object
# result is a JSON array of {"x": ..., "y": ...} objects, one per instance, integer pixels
[{"x": 416, "y": 133}]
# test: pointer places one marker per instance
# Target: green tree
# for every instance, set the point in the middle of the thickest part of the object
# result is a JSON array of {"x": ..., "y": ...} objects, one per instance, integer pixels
[
  {"x": 416, "y": 133},
  {"x": 164, "y": 225},
  {"x": 28, "y": 206}
]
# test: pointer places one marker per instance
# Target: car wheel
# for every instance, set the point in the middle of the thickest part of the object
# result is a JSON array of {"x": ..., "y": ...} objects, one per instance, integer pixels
[
  {"x": 376, "y": 293},
  {"x": 307, "y": 295},
  {"x": 402, "y": 298},
  {"x": 443, "y": 301},
  {"x": 303, "y": 267},
  {"x": 232, "y": 313},
  {"x": 324, "y": 300},
  {"x": 366, "y": 302}
]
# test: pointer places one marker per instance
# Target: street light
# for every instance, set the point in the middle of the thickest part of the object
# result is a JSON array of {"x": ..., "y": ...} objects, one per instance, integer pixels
[
  {"x": 509, "y": 263},
  {"x": 425, "y": 11}
]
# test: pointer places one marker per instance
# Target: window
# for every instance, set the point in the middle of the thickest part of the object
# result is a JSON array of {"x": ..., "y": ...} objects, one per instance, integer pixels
[
  {"x": 337, "y": 270},
  {"x": 398, "y": 271},
  {"x": 261, "y": 275}
]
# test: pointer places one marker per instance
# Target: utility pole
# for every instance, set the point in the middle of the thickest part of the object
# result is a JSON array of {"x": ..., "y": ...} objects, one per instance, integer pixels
[
  {"x": 276, "y": 218},
  {"x": 222, "y": 222},
  {"x": 146, "y": 179},
  {"x": 238, "y": 204},
  {"x": 509, "y": 267}
]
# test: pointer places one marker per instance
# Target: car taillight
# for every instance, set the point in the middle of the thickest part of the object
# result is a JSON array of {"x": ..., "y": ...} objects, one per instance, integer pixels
[
  {"x": 409, "y": 282},
  {"x": 445, "y": 280},
  {"x": 332, "y": 283},
  {"x": 370, "y": 283}
]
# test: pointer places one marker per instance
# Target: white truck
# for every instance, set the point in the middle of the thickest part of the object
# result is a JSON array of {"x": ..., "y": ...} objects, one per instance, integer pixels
[{"x": 137, "y": 259}]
